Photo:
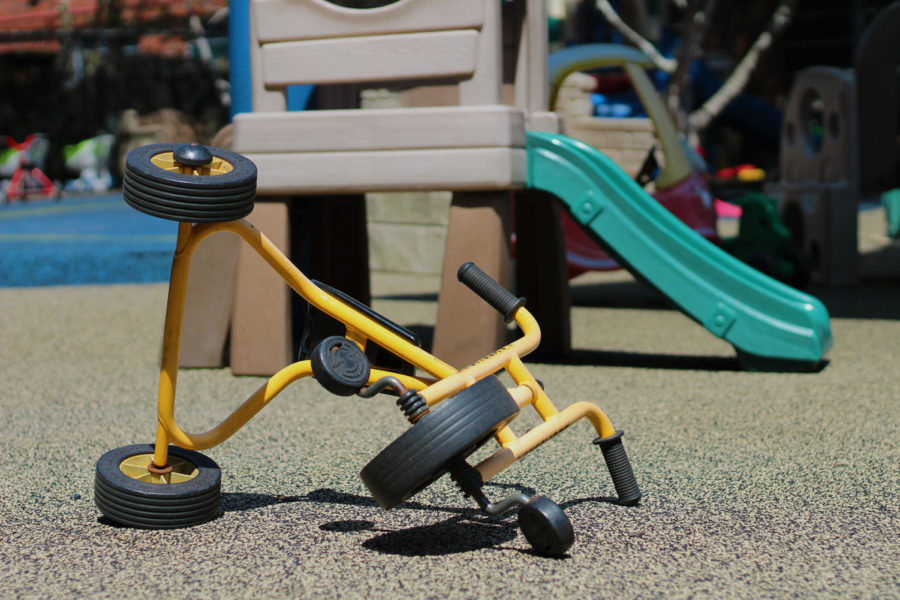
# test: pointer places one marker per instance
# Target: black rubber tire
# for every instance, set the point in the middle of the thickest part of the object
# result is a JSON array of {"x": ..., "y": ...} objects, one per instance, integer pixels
[
  {"x": 453, "y": 429},
  {"x": 339, "y": 365},
  {"x": 135, "y": 503},
  {"x": 151, "y": 202},
  {"x": 189, "y": 198},
  {"x": 546, "y": 527},
  {"x": 210, "y": 193},
  {"x": 153, "y": 192}
]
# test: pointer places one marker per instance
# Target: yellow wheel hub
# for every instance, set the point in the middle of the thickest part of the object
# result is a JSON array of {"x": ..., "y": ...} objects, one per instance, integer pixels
[
  {"x": 136, "y": 468},
  {"x": 167, "y": 162}
]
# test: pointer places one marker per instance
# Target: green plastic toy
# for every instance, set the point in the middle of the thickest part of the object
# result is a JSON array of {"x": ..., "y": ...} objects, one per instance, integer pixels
[{"x": 765, "y": 243}]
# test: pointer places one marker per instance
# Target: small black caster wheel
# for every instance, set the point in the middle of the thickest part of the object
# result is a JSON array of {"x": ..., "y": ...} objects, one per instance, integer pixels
[
  {"x": 546, "y": 527},
  {"x": 189, "y": 182},
  {"x": 127, "y": 493},
  {"x": 452, "y": 430},
  {"x": 339, "y": 365}
]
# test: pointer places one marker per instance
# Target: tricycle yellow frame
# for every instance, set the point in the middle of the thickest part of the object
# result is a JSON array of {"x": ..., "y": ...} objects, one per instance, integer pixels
[{"x": 441, "y": 380}]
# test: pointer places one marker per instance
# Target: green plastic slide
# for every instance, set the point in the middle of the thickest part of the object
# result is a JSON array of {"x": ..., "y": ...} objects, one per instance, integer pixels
[{"x": 771, "y": 326}]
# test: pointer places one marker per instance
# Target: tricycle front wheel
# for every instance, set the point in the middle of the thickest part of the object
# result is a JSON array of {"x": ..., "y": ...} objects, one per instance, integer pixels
[{"x": 453, "y": 429}]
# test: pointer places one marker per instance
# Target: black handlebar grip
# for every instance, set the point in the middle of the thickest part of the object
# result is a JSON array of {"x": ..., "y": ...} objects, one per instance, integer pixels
[
  {"x": 619, "y": 468},
  {"x": 490, "y": 291}
]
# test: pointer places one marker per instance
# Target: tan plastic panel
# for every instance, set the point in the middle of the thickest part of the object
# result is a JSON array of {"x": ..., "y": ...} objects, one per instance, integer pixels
[
  {"x": 311, "y": 19},
  {"x": 372, "y": 58},
  {"x": 398, "y": 170},
  {"x": 387, "y": 128},
  {"x": 825, "y": 97}
]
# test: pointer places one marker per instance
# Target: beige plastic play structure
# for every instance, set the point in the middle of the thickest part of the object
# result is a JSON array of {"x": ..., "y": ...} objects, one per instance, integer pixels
[
  {"x": 819, "y": 165},
  {"x": 839, "y": 146},
  {"x": 625, "y": 141},
  {"x": 475, "y": 148}
]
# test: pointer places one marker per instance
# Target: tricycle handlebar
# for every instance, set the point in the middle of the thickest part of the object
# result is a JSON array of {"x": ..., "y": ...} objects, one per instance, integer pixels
[{"x": 490, "y": 291}]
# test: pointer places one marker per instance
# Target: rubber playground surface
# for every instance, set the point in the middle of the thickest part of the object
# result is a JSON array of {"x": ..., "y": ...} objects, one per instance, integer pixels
[{"x": 755, "y": 484}]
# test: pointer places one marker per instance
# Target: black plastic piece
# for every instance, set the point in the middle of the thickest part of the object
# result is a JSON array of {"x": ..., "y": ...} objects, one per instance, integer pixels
[
  {"x": 340, "y": 366},
  {"x": 192, "y": 155},
  {"x": 136, "y": 503},
  {"x": 468, "y": 480},
  {"x": 619, "y": 468},
  {"x": 318, "y": 326},
  {"x": 546, "y": 527},
  {"x": 403, "y": 332},
  {"x": 413, "y": 405},
  {"x": 490, "y": 291},
  {"x": 649, "y": 168}
]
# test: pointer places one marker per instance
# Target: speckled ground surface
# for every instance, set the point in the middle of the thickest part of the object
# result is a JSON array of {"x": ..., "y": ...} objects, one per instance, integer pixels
[{"x": 756, "y": 485}]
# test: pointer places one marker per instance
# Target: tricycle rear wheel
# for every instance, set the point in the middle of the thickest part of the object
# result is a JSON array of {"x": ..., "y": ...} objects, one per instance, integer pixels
[
  {"x": 128, "y": 493},
  {"x": 162, "y": 180}
]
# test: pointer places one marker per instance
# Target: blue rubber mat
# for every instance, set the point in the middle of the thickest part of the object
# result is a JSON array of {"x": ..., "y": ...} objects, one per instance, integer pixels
[{"x": 82, "y": 240}]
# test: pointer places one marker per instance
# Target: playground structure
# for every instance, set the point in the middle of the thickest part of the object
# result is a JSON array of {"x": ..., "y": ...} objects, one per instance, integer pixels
[
  {"x": 839, "y": 148},
  {"x": 452, "y": 412},
  {"x": 482, "y": 150},
  {"x": 22, "y": 163},
  {"x": 770, "y": 325},
  {"x": 91, "y": 159},
  {"x": 474, "y": 148},
  {"x": 22, "y": 167},
  {"x": 647, "y": 148}
]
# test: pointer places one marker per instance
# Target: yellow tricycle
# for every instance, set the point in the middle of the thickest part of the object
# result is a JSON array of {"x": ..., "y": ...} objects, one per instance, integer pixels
[{"x": 452, "y": 412}]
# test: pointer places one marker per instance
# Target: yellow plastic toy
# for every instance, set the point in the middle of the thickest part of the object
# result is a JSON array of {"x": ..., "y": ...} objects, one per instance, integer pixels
[{"x": 452, "y": 412}]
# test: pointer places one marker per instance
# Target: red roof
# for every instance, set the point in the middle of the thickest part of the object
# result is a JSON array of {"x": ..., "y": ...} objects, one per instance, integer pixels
[{"x": 44, "y": 21}]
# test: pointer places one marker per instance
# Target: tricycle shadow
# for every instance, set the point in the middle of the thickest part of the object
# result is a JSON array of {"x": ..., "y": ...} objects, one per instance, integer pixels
[{"x": 467, "y": 530}]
